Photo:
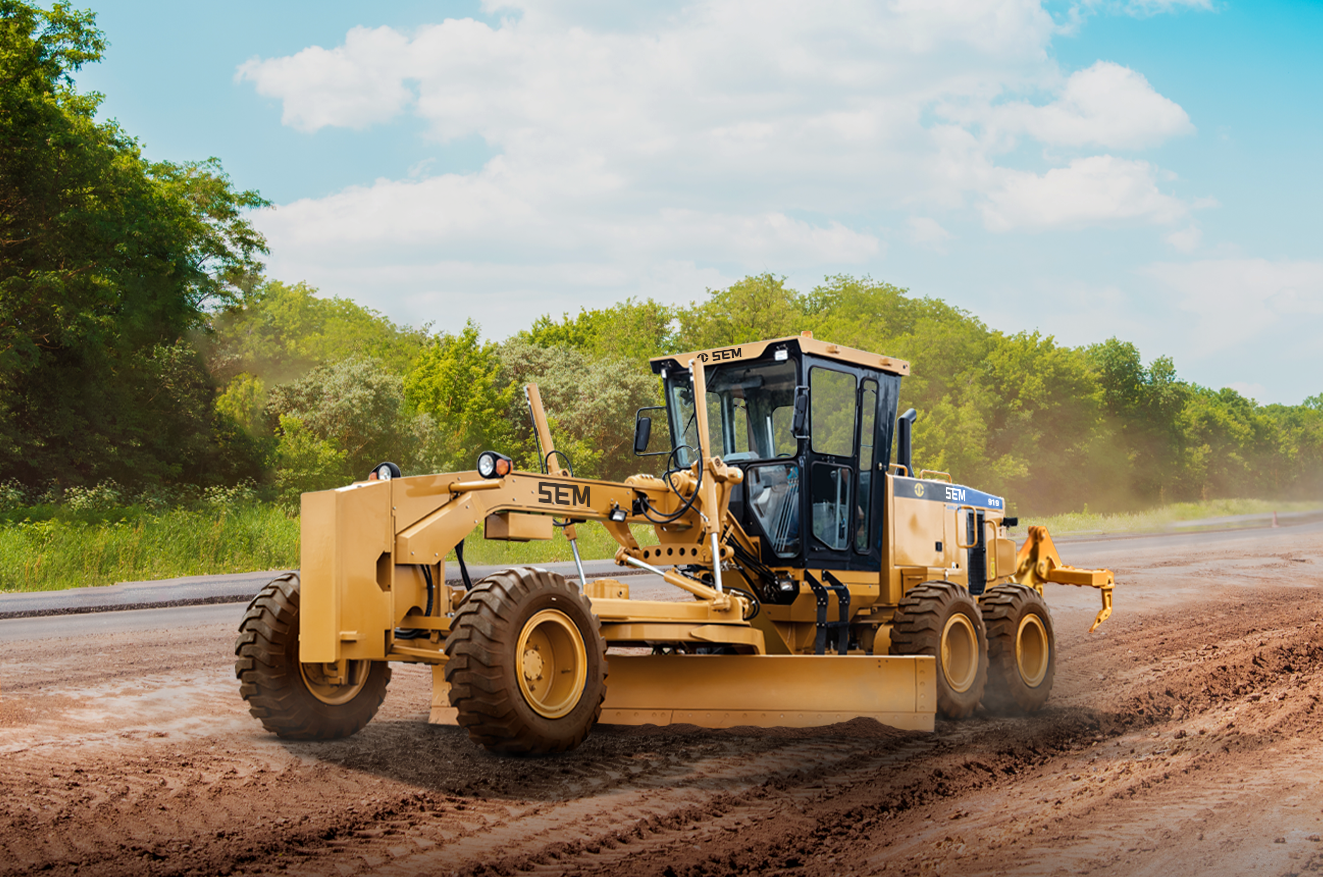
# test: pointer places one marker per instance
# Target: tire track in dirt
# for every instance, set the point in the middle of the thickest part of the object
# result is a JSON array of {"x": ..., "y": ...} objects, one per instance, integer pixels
[{"x": 818, "y": 819}]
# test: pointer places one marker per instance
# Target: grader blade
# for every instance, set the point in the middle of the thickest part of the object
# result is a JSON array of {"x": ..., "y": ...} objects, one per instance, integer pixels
[{"x": 723, "y": 691}]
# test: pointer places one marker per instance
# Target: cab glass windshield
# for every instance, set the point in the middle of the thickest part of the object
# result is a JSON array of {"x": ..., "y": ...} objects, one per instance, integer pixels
[{"x": 749, "y": 409}]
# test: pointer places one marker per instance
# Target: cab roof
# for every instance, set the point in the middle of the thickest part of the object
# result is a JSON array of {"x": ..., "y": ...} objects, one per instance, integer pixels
[{"x": 804, "y": 342}]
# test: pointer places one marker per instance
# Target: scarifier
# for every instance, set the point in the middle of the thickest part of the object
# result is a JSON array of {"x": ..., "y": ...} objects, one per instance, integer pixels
[{"x": 827, "y": 582}]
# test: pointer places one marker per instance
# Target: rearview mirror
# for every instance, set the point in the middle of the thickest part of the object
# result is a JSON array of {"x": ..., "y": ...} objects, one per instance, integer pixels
[
  {"x": 642, "y": 434},
  {"x": 799, "y": 423}
]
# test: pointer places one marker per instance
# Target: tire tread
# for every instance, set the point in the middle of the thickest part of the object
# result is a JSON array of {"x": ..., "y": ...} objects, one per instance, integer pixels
[
  {"x": 266, "y": 655},
  {"x": 482, "y": 685}
]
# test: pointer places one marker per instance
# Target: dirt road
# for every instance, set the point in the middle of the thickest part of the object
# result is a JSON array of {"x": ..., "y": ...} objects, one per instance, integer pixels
[{"x": 1183, "y": 738}]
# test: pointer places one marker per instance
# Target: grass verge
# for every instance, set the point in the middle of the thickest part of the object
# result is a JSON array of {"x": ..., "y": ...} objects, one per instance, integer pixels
[
  {"x": 1161, "y": 518},
  {"x": 47, "y": 550}
]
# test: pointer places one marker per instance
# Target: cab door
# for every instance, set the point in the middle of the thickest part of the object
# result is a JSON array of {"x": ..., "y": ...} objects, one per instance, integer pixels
[{"x": 844, "y": 462}]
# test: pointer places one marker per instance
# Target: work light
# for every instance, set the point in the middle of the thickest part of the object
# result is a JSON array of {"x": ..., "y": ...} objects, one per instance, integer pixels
[{"x": 494, "y": 465}]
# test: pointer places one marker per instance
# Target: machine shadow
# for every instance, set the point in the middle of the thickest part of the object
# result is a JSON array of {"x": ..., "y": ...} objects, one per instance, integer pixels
[{"x": 441, "y": 760}]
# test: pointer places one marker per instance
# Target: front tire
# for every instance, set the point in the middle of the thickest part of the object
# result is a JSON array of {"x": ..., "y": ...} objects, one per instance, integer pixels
[
  {"x": 941, "y": 619},
  {"x": 294, "y": 700},
  {"x": 527, "y": 663},
  {"x": 1022, "y": 649}
]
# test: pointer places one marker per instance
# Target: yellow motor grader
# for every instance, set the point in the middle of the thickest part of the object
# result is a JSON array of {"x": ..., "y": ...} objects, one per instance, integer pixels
[{"x": 825, "y": 582}]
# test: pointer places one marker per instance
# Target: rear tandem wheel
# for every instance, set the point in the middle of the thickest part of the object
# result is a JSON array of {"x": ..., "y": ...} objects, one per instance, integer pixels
[
  {"x": 300, "y": 701},
  {"x": 1021, "y": 649},
  {"x": 941, "y": 619},
  {"x": 527, "y": 663}
]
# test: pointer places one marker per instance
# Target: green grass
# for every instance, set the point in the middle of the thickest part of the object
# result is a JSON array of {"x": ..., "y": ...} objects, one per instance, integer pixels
[
  {"x": 46, "y": 549},
  {"x": 1161, "y": 518}
]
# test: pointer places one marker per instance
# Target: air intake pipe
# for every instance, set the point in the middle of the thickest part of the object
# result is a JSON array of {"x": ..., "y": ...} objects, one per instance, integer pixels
[{"x": 905, "y": 440}]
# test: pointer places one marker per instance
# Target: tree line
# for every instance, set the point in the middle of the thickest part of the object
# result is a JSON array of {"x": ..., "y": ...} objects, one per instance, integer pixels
[{"x": 141, "y": 345}]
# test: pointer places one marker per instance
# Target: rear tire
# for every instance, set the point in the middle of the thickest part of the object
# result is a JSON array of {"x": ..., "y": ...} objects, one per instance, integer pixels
[
  {"x": 527, "y": 663},
  {"x": 294, "y": 700},
  {"x": 1022, "y": 649},
  {"x": 941, "y": 619}
]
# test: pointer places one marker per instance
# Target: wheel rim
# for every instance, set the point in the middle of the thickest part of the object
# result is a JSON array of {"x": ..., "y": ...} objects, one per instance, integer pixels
[
  {"x": 1033, "y": 654},
  {"x": 321, "y": 680},
  {"x": 959, "y": 652},
  {"x": 551, "y": 663}
]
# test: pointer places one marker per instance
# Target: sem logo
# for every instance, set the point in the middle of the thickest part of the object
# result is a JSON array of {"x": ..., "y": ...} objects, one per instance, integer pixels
[
  {"x": 563, "y": 494},
  {"x": 918, "y": 490},
  {"x": 721, "y": 355},
  {"x": 955, "y": 494}
]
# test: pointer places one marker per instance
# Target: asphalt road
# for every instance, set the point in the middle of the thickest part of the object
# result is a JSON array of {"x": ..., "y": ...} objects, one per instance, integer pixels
[{"x": 123, "y": 621}]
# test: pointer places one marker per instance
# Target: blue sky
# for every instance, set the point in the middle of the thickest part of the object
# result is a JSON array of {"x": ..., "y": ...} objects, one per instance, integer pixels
[{"x": 1141, "y": 168}]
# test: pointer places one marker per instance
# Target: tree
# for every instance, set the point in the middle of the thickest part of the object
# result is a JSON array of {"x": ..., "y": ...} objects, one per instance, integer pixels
[
  {"x": 632, "y": 330},
  {"x": 590, "y": 404},
  {"x": 456, "y": 381},
  {"x": 306, "y": 462},
  {"x": 1144, "y": 405},
  {"x": 357, "y": 408},
  {"x": 750, "y": 310},
  {"x": 278, "y": 332},
  {"x": 105, "y": 259}
]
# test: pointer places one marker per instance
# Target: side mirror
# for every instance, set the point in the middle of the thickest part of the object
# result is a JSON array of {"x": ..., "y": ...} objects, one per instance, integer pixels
[
  {"x": 642, "y": 434},
  {"x": 799, "y": 423}
]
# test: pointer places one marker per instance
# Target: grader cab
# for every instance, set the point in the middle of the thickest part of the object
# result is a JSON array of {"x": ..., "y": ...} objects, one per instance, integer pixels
[{"x": 825, "y": 581}]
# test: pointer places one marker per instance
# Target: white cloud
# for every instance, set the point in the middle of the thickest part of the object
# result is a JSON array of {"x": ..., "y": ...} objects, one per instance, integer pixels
[
  {"x": 1186, "y": 240},
  {"x": 734, "y": 135},
  {"x": 1089, "y": 191},
  {"x": 1234, "y": 301},
  {"x": 355, "y": 85},
  {"x": 1104, "y": 105}
]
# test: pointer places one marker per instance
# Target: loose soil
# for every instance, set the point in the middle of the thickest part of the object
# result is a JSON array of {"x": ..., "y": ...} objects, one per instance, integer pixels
[{"x": 1183, "y": 737}]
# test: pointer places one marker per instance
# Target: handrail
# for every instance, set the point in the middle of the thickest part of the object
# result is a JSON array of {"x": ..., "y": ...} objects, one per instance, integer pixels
[{"x": 466, "y": 486}]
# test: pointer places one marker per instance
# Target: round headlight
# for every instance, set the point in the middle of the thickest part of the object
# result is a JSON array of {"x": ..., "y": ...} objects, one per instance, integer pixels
[
  {"x": 494, "y": 465},
  {"x": 384, "y": 472},
  {"x": 487, "y": 464}
]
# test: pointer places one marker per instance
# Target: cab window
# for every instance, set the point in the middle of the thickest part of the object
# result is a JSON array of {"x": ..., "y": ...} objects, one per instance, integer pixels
[{"x": 832, "y": 401}]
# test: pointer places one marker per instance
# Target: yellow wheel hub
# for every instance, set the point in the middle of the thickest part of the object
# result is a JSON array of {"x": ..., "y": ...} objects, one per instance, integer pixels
[
  {"x": 337, "y": 682},
  {"x": 552, "y": 663},
  {"x": 1033, "y": 654},
  {"x": 959, "y": 652}
]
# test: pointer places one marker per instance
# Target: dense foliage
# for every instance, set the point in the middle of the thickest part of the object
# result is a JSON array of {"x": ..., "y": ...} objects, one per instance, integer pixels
[
  {"x": 107, "y": 263},
  {"x": 140, "y": 346}
]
